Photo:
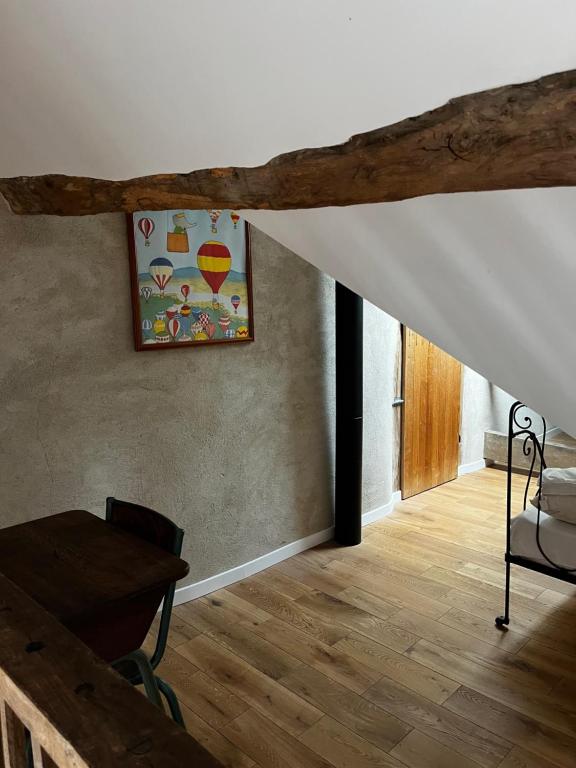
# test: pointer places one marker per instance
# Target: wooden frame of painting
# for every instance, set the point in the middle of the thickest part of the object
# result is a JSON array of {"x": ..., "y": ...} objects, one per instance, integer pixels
[{"x": 191, "y": 278}]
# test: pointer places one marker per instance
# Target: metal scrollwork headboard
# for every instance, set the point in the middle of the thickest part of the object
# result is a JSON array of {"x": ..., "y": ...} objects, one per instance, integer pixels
[
  {"x": 522, "y": 425},
  {"x": 533, "y": 445}
]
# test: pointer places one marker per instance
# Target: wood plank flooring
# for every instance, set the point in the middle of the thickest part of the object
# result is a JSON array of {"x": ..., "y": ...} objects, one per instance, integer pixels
[{"x": 386, "y": 654}]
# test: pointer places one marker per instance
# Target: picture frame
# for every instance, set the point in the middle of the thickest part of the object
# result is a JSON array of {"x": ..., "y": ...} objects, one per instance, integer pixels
[{"x": 191, "y": 278}]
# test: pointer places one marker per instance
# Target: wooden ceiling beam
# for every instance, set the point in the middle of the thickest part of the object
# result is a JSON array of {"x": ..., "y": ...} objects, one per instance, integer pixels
[{"x": 513, "y": 137}]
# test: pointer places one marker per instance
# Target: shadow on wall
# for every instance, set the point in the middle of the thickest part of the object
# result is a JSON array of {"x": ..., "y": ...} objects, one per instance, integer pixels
[{"x": 234, "y": 442}]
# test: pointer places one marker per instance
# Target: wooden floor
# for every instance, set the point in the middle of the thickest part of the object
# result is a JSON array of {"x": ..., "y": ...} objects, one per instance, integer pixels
[{"x": 386, "y": 654}]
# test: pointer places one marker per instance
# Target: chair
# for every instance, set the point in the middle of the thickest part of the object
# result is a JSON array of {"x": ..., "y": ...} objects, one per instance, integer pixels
[{"x": 134, "y": 664}]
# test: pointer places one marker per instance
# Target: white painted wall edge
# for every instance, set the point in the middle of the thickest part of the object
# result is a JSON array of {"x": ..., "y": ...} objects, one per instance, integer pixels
[
  {"x": 474, "y": 466},
  {"x": 222, "y": 580}
]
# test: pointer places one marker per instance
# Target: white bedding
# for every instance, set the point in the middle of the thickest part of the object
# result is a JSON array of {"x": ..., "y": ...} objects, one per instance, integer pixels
[{"x": 557, "y": 539}]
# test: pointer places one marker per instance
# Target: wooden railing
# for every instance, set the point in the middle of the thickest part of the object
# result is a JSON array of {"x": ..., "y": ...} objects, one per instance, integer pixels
[{"x": 62, "y": 707}]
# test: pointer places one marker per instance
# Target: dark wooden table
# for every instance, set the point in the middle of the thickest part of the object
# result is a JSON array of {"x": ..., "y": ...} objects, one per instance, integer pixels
[{"x": 101, "y": 582}]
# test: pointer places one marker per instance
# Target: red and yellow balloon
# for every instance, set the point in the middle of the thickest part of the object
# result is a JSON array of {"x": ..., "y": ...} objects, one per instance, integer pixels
[{"x": 214, "y": 262}]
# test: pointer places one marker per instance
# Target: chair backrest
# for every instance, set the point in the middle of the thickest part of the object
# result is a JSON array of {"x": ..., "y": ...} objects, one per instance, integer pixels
[
  {"x": 146, "y": 524},
  {"x": 158, "y": 530}
]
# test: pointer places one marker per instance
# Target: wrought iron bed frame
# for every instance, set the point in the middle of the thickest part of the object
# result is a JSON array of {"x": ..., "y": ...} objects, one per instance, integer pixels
[{"x": 533, "y": 446}]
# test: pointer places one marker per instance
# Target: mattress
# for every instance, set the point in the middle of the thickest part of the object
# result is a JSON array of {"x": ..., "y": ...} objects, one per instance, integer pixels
[{"x": 557, "y": 539}]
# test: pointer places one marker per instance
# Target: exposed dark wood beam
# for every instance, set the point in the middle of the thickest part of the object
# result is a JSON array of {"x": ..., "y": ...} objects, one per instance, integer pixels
[{"x": 513, "y": 137}]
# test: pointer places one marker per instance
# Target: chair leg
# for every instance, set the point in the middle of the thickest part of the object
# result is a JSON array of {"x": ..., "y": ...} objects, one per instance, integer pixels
[
  {"x": 173, "y": 704},
  {"x": 146, "y": 673},
  {"x": 503, "y": 621},
  {"x": 29, "y": 755}
]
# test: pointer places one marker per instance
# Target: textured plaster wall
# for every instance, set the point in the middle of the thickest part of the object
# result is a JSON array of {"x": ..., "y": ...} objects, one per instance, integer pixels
[
  {"x": 381, "y": 342},
  {"x": 233, "y": 442},
  {"x": 484, "y": 406}
]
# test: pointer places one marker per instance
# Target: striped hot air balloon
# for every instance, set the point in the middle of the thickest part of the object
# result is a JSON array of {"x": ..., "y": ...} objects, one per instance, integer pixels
[
  {"x": 174, "y": 327},
  {"x": 214, "y": 262},
  {"x": 235, "y": 219},
  {"x": 161, "y": 271},
  {"x": 224, "y": 322},
  {"x": 146, "y": 226}
]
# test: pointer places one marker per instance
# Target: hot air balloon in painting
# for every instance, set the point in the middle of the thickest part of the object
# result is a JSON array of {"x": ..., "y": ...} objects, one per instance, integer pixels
[
  {"x": 214, "y": 262},
  {"x": 235, "y": 300},
  {"x": 146, "y": 292},
  {"x": 185, "y": 290},
  {"x": 159, "y": 324},
  {"x": 224, "y": 322},
  {"x": 235, "y": 219},
  {"x": 174, "y": 327},
  {"x": 214, "y": 216},
  {"x": 177, "y": 241},
  {"x": 204, "y": 320},
  {"x": 161, "y": 271},
  {"x": 146, "y": 226}
]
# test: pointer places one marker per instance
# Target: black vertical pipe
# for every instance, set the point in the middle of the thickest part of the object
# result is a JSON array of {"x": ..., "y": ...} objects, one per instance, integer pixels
[{"x": 349, "y": 392}]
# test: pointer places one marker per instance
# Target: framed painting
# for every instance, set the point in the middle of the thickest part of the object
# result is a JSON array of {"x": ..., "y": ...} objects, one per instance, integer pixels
[{"x": 191, "y": 278}]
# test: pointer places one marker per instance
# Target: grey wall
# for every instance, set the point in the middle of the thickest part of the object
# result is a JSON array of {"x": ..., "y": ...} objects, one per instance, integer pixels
[
  {"x": 484, "y": 406},
  {"x": 381, "y": 346},
  {"x": 234, "y": 442}
]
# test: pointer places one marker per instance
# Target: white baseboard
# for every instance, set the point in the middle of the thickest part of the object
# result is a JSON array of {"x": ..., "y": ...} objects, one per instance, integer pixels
[
  {"x": 222, "y": 580},
  {"x": 474, "y": 466},
  {"x": 380, "y": 512}
]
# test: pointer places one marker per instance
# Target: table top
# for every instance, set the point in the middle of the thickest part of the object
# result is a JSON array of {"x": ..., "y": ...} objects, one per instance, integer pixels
[{"x": 75, "y": 564}]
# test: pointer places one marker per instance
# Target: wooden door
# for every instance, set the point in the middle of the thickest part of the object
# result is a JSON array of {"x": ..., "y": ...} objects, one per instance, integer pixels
[{"x": 431, "y": 415}]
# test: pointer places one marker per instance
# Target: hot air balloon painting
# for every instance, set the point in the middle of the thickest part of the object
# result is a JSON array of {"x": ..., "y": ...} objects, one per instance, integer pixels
[
  {"x": 191, "y": 279},
  {"x": 161, "y": 271},
  {"x": 214, "y": 262},
  {"x": 214, "y": 216},
  {"x": 146, "y": 226}
]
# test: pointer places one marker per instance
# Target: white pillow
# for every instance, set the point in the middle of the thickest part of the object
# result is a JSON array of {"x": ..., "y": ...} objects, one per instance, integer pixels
[{"x": 558, "y": 493}]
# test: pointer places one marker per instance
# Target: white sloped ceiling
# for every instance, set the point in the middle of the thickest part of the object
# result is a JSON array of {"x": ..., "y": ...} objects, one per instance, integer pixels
[{"x": 120, "y": 89}]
